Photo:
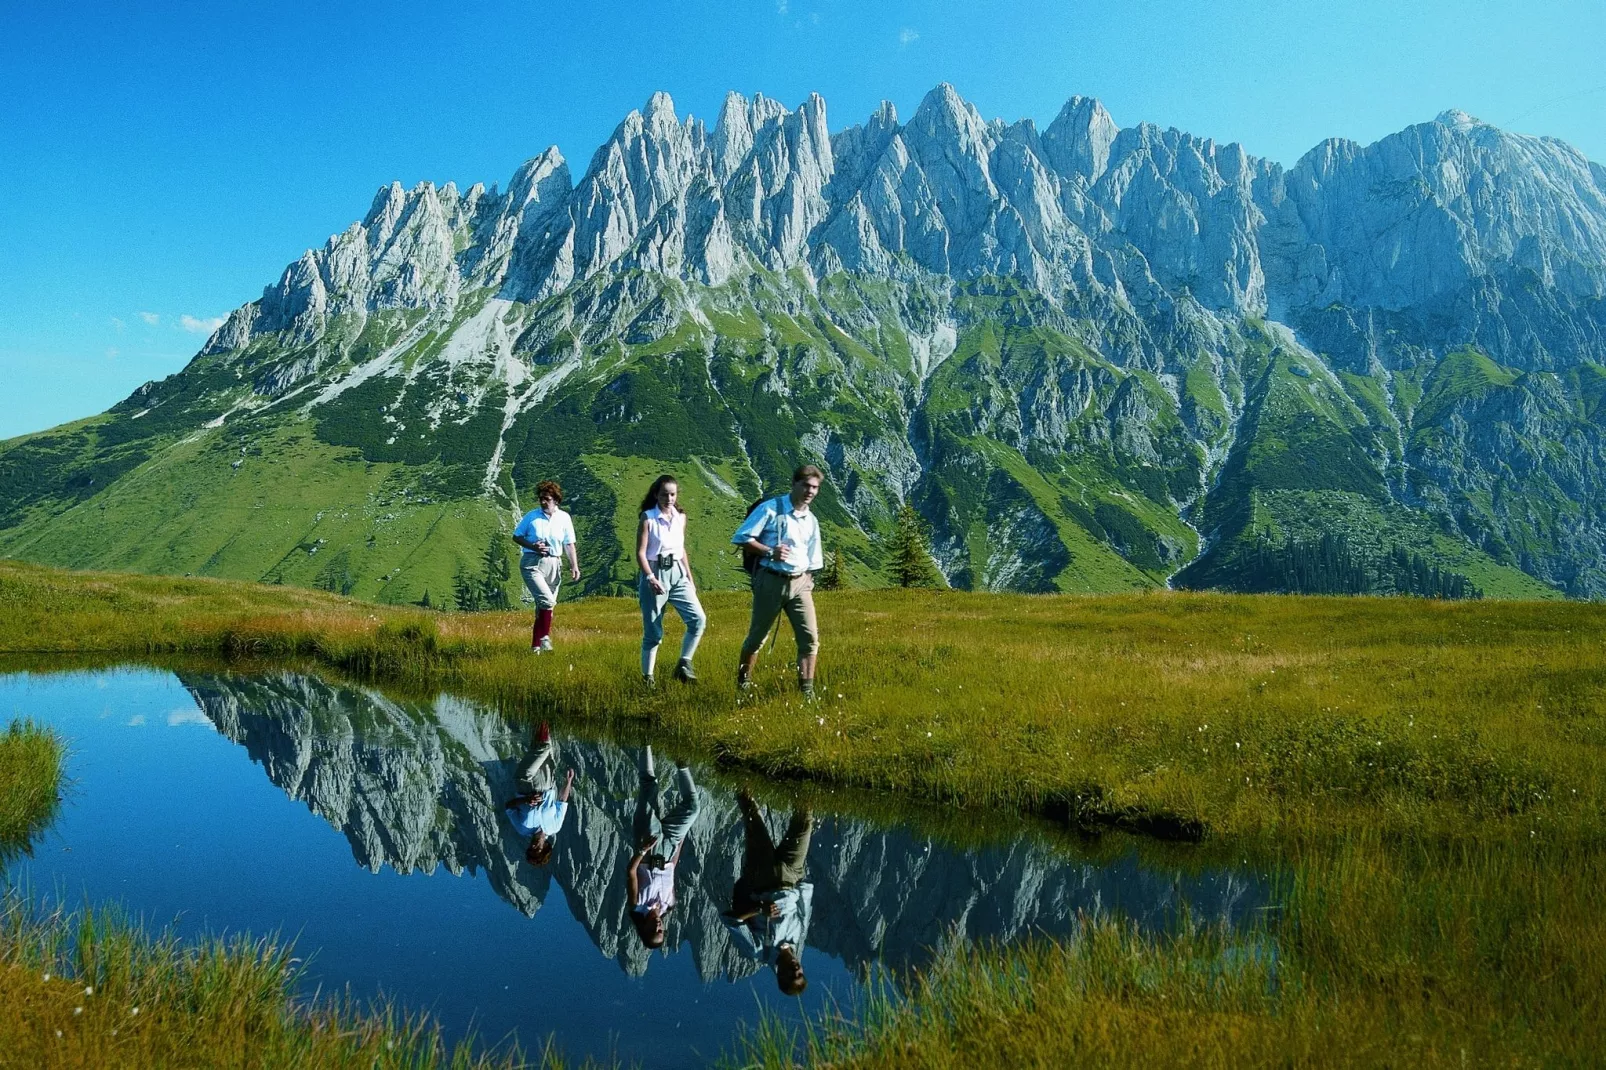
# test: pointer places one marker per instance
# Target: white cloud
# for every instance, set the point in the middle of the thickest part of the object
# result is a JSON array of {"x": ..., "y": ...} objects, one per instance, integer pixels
[
  {"x": 111, "y": 352},
  {"x": 906, "y": 36},
  {"x": 200, "y": 326},
  {"x": 782, "y": 6},
  {"x": 178, "y": 717},
  {"x": 118, "y": 324},
  {"x": 150, "y": 317},
  {"x": 136, "y": 721}
]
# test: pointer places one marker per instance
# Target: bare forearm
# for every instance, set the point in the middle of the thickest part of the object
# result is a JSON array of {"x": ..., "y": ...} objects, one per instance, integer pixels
[{"x": 758, "y": 548}]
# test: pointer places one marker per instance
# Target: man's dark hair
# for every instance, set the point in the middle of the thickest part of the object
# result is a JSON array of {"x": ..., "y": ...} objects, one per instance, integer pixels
[
  {"x": 549, "y": 487},
  {"x": 539, "y": 854},
  {"x": 808, "y": 471}
]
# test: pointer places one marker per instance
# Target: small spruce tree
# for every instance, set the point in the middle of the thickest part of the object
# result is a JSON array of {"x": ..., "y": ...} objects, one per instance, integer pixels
[
  {"x": 912, "y": 565},
  {"x": 494, "y": 575},
  {"x": 465, "y": 591},
  {"x": 830, "y": 577}
]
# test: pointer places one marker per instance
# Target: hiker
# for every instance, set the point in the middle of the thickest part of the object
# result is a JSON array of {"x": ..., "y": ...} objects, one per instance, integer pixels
[
  {"x": 546, "y": 533},
  {"x": 666, "y": 578},
  {"x": 771, "y": 903},
  {"x": 781, "y": 538},
  {"x": 650, "y": 875},
  {"x": 539, "y": 809}
]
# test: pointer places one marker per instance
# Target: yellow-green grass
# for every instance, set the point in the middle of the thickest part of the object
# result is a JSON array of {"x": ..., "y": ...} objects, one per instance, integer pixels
[
  {"x": 1425, "y": 777},
  {"x": 30, "y": 779},
  {"x": 1379, "y": 954},
  {"x": 92, "y": 989},
  {"x": 1196, "y": 715}
]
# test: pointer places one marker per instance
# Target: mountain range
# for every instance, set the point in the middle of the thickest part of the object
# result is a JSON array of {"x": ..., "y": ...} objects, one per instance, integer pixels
[
  {"x": 1091, "y": 357},
  {"x": 418, "y": 785}
]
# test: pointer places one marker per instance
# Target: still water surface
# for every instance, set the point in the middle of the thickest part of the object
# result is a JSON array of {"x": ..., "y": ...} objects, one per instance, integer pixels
[{"x": 370, "y": 830}]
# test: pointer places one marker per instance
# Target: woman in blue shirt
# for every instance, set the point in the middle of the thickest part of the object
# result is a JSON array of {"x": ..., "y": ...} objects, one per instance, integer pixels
[{"x": 546, "y": 534}]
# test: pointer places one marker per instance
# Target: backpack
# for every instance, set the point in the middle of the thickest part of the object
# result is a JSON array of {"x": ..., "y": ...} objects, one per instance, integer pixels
[{"x": 751, "y": 557}]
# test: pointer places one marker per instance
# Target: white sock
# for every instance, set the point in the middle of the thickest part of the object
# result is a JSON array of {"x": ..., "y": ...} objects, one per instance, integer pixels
[{"x": 649, "y": 660}]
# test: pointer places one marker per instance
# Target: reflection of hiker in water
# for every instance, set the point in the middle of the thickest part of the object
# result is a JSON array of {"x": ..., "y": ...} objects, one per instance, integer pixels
[
  {"x": 538, "y": 809},
  {"x": 770, "y": 905},
  {"x": 650, "y": 876}
]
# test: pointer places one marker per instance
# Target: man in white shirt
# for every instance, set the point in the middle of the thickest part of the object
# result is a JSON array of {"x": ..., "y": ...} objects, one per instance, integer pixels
[
  {"x": 545, "y": 533},
  {"x": 772, "y": 903},
  {"x": 786, "y": 533}
]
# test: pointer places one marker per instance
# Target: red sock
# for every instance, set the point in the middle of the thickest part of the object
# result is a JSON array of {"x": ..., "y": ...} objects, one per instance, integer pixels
[{"x": 543, "y": 626}]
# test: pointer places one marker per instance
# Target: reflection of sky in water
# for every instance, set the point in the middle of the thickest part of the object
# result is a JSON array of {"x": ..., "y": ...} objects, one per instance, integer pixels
[{"x": 174, "y": 820}]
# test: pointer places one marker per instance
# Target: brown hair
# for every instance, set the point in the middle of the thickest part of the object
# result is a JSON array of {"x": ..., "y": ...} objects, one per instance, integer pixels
[
  {"x": 652, "y": 492},
  {"x": 791, "y": 982},
  {"x": 650, "y": 938},
  {"x": 808, "y": 471},
  {"x": 539, "y": 854},
  {"x": 546, "y": 487}
]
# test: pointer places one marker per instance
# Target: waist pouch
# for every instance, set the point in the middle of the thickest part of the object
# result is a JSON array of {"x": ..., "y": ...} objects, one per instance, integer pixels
[{"x": 665, "y": 562}]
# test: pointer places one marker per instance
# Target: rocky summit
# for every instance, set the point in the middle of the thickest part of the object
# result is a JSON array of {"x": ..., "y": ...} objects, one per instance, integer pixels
[{"x": 1091, "y": 357}]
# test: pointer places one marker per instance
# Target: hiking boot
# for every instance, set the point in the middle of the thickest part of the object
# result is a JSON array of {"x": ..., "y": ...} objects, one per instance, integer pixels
[
  {"x": 744, "y": 682},
  {"x": 546, "y": 642},
  {"x": 649, "y": 683},
  {"x": 807, "y": 687},
  {"x": 683, "y": 672}
]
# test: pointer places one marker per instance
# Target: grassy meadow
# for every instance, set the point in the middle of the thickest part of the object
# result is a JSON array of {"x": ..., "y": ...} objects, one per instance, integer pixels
[{"x": 1425, "y": 778}]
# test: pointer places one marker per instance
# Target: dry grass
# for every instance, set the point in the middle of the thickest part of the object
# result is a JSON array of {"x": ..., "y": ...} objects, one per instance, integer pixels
[
  {"x": 1428, "y": 776},
  {"x": 93, "y": 990},
  {"x": 1180, "y": 714},
  {"x": 1379, "y": 955}
]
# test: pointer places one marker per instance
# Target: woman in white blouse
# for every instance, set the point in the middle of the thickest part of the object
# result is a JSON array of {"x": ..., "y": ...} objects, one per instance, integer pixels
[{"x": 666, "y": 578}]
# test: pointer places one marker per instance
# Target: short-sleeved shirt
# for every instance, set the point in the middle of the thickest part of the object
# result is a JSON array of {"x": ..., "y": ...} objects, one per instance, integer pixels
[
  {"x": 545, "y": 816},
  {"x": 761, "y": 936},
  {"x": 666, "y": 533},
  {"x": 776, "y": 522},
  {"x": 557, "y": 530}
]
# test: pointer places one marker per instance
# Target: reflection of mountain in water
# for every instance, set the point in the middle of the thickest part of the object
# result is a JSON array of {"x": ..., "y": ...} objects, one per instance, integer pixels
[{"x": 416, "y": 786}]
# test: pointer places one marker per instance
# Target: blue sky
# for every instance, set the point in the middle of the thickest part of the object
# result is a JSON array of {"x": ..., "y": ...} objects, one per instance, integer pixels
[{"x": 160, "y": 164}]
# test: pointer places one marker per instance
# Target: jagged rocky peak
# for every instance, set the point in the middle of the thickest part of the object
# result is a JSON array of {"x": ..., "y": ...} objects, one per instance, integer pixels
[
  {"x": 1423, "y": 212},
  {"x": 1077, "y": 143},
  {"x": 1142, "y": 217},
  {"x": 417, "y": 786}
]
